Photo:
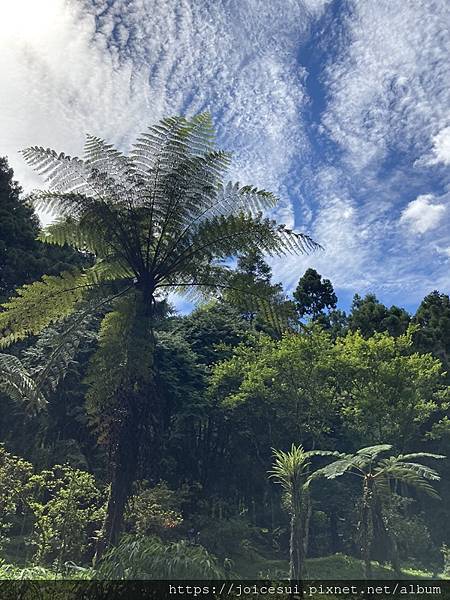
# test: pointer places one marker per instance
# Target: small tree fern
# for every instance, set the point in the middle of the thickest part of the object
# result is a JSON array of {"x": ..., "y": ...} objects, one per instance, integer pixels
[
  {"x": 377, "y": 478},
  {"x": 292, "y": 470}
]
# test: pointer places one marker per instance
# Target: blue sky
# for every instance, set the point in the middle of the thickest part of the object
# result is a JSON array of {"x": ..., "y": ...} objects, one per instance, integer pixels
[{"x": 340, "y": 107}]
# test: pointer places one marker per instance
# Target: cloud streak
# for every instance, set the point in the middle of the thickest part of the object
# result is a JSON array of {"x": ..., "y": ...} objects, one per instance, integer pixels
[{"x": 364, "y": 174}]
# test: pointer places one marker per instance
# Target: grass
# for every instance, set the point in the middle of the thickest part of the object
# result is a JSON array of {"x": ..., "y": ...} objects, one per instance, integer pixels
[
  {"x": 337, "y": 566},
  {"x": 14, "y": 573},
  {"x": 250, "y": 566}
]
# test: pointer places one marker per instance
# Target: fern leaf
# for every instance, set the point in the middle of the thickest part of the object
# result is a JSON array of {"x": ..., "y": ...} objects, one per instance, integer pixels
[
  {"x": 17, "y": 383},
  {"x": 39, "y": 304}
]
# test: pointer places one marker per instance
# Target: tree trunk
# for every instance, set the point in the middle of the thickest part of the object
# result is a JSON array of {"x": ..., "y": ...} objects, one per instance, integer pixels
[
  {"x": 137, "y": 424},
  {"x": 335, "y": 542},
  {"x": 125, "y": 458},
  {"x": 299, "y": 519},
  {"x": 296, "y": 549},
  {"x": 306, "y": 520},
  {"x": 366, "y": 526}
]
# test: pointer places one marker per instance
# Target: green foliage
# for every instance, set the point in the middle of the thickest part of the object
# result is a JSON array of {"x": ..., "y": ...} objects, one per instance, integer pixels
[
  {"x": 138, "y": 557},
  {"x": 292, "y": 470},
  {"x": 16, "y": 382},
  {"x": 369, "y": 316},
  {"x": 413, "y": 537},
  {"x": 377, "y": 476},
  {"x": 153, "y": 511},
  {"x": 63, "y": 506},
  {"x": 213, "y": 331},
  {"x": 18, "y": 230},
  {"x": 292, "y": 380},
  {"x": 67, "y": 507},
  {"x": 23, "y": 259},
  {"x": 70, "y": 571},
  {"x": 382, "y": 471},
  {"x": 433, "y": 332},
  {"x": 446, "y": 555},
  {"x": 15, "y": 474},
  {"x": 232, "y": 538},
  {"x": 40, "y": 304},
  {"x": 266, "y": 308},
  {"x": 314, "y": 295},
  {"x": 388, "y": 391}
]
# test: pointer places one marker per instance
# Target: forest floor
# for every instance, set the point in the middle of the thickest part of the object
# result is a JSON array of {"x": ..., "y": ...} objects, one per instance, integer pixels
[{"x": 336, "y": 567}]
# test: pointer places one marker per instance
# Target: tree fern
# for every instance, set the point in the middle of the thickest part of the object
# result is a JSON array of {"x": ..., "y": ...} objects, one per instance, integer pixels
[{"x": 158, "y": 220}]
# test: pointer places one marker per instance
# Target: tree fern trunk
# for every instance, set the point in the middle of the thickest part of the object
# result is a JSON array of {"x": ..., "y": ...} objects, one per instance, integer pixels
[
  {"x": 123, "y": 474},
  {"x": 136, "y": 425},
  {"x": 366, "y": 534},
  {"x": 297, "y": 541}
]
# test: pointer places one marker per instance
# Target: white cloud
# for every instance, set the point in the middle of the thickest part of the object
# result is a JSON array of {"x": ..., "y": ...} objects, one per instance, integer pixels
[
  {"x": 337, "y": 227},
  {"x": 423, "y": 214},
  {"x": 388, "y": 86},
  {"x": 441, "y": 148},
  {"x": 113, "y": 68}
]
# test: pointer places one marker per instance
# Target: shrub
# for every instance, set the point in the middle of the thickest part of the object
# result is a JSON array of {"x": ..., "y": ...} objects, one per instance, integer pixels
[
  {"x": 141, "y": 557},
  {"x": 68, "y": 507},
  {"x": 15, "y": 474},
  {"x": 154, "y": 511}
]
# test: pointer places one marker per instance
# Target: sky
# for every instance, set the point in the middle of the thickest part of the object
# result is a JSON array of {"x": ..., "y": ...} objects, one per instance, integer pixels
[{"x": 340, "y": 107}]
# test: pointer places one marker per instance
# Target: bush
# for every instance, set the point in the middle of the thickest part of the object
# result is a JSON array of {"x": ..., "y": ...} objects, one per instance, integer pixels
[
  {"x": 154, "y": 511},
  {"x": 140, "y": 557},
  {"x": 15, "y": 489},
  {"x": 68, "y": 508}
]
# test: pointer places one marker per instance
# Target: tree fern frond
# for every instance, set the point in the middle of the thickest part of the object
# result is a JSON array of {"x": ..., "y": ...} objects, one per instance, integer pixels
[
  {"x": 413, "y": 477},
  {"x": 81, "y": 234},
  {"x": 408, "y": 457},
  {"x": 63, "y": 173},
  {"x": 69, "y": 205},
  {"x": 373, "y": 451},
  {"x": 16, "y": 382},
  {"x": 293, "y": 242},
  {"x": 39, "y": 304},
  {"x": 49, "y": 359},
  {"x": 336, "y": 468},
  {"x": 394, "y": 466},
  {"x": 109, "y": 270},
  {"x": 107, "y": 159}
]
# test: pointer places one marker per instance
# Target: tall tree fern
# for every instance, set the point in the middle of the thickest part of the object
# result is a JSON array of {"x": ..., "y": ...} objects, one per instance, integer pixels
[{"x": 159, "y": 220}]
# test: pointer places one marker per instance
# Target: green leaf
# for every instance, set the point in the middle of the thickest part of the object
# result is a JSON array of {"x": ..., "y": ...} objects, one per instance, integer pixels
[{"x": 39, "y": 304}]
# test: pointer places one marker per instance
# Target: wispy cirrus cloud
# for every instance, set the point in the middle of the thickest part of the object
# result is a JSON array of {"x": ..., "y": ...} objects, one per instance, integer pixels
[
  {"x": 339, "y": 107},
  {"x": 111, "y": 68},
  {"x": 388, "y": 88}
]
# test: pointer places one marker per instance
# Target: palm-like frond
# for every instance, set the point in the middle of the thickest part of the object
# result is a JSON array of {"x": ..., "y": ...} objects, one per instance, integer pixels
[
  {"x": 289, "y": 466},
  {"x": 399, "y": 467},
  {"x": 372, "y": 452},
  {"x": 39, "y": 304},
  {"x": 365, "y": 463},
  {"x": 160, "y": 219},
  {"x": 16, "y": 382},
  {"x": 413, "y": 476},
  {"x": 337, "y": 468},
  {"x": 48, "y": 360},
  {"x": 83, "y": 234},
  {"x": 161, "y": 209}
]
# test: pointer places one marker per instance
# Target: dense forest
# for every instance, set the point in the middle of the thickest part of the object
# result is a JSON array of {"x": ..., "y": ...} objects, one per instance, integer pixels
[{"x": 262, "y": 435}]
